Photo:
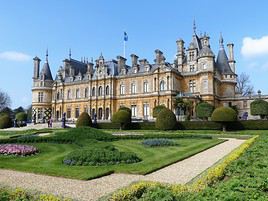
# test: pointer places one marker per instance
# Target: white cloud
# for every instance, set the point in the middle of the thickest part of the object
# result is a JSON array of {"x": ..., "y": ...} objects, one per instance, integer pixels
[
  {"x": 254, "y": 47},
  {"x": 14, "y": 56}
]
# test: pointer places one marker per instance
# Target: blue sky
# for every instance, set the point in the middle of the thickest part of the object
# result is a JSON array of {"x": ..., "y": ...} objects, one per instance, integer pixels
[{"x": 91, "y": 27}]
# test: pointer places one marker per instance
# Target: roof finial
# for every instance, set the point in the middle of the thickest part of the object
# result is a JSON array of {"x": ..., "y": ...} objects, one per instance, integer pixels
[
  {"x": 91, "y": 59},
  {"x": 194, "y": 27},
  {"x": 70, "y": 53},
  {"x": 221, "y": 41},
  {"x": 47, "y": 55}
]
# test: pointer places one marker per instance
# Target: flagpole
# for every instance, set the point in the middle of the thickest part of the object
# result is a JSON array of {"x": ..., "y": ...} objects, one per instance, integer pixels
[{"x": 124, "y": 53}]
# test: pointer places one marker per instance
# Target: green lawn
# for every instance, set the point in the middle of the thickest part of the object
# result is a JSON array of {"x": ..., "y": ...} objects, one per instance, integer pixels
[{"x": 49, "y": 160}]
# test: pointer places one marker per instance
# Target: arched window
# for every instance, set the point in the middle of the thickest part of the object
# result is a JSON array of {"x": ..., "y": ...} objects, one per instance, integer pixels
[
  {"x": 69, "y": 94},
  {"x": 86, "y": 92},
  {"x": 167, "y": 82},
  {"x": 77, "y": 94},
  {"x": 100, "y": 91},
  {"x": 133, "y": 88},
  {"x": 107, "y": 90},
  {"x": 122, "y": 89},
  {"x": 58, "y": 95},
  {"x": 93, "y": 91},
  {"x": 145, "y": 87},
  {"x": 162, "y": 85}
]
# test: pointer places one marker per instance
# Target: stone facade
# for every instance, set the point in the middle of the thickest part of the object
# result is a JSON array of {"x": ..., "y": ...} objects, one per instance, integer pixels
[{"x": 102, "y": 87}]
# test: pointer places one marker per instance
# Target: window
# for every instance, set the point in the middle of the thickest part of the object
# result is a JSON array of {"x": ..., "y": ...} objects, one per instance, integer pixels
[
  {"x": 69, "y": 113},
  {"x": 58, "y": 95},
  {"x": 192, "y": 86},
  {"x": 146, "y": 110},
  {"x": 205, "y": 85},
  {"x": 245, "y": 104},
  {"x": 61, "y": 94},
  {"x": 86, "y": 92},
  {"x": 107, "y": 90},
  {"x": 162, "y": 85},
  {"x": 68, "y": 94},
  {"x": 133, "y": 88},
  {"x": 107, "y": 113},
  {"x": 122, "y": 89},
  {"x": 40, "y": 97},
  {"x": 145, "y": 87},
  {"x": 77, "y": 93},
  {"x": 100, "y": 113},
  {"x": 93, "y": 91},
  {"x": 191, "y": 56},
  {"x": 77, "y": 112},
  {"x": 133, "y": 110},
  {"x": 204, "y": 66},
  {"x": 167, "y": 82},
  {"x": 192, "y": 68},
  {"x": 40, "y": 112},
  {"x": 100, "y": 91}
]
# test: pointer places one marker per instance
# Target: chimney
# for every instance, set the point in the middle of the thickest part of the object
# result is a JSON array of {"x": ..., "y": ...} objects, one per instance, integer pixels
[
  {"x": 158, "y": 56},
  {"x": 121, "y": 61},
  {"x": 143, "y": 62},
  {"x": 134, "y": 59},
  {"x": 205, "y": 40},
  {"x": 180, "y": 53},
  {"x": 36, "y": 67},
  {"x": 90, "y": 68},
  {"x": 231, "y": 56}
]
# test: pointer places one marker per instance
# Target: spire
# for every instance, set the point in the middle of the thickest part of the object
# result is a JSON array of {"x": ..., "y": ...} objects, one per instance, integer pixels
[
  {"x": 221, "y": 41},
  {"x": 194, "y": 27},
  {"x": 47, "y": 55},
  {"x": 70, "y": 53}
]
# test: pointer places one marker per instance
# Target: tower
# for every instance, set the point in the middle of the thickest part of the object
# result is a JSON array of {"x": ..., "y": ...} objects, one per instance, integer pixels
[{"x": 42, "y": 91}]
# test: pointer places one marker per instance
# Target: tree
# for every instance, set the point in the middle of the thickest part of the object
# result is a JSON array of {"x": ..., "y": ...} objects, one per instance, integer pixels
[
  {"x": 224, "y": 115},
  {"x": 122, "y": 117},
  {"x": 259, "y": 107},
  {"x": 21, "y": 116},
  {"x": 84, "y": 120},
  {"x": 185, "y": 106},
  {"x": 125, "y": 109},
  {"x": 157, "y": 109},
  {"x": 4, "y": 100},
  {"x": 166, "y": 120},
  {"x": 7, "y": 111},
  {"x": 29, "y": 112},
  {"x": 18, "y": 110},
  {"x": 204, "y": 110},
  {"x": 243, "y": 85}
]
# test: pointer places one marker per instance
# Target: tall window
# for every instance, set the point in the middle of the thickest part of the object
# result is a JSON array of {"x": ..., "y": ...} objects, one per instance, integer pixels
[
  {"x": 61, "y": 94},
  {"x": 77, "y": 93},
  {"x": 162, "y": 85},
  {"x": 146, "y": 110},
  {"x": 122, "y": 89},
  {"x": 205, "y": 85},
  {"x": 145, "y": 87},
  {"x": 107, "y": 90},
  {"x": 191, "y": 56},
  {"x": 100, "y": 90},
  {"x": 167, "y": 82},
  {"x": 69, "y": 94},
  {"x": 133, "y": 110},
  {"x": 69, "y": 113},
  {"x": 192, "y": 68},
  {"x": 40, "y": 97},
  {"x": 77, "y": 112},
  {"x": 86, "y": 92},
  {"x": 192, "y": 86},
  {"x": 93, "y": 91},
  {"x": 133, "y": 88}
]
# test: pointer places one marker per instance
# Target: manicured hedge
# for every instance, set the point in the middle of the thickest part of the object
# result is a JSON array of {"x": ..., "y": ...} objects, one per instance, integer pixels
[{"x": 84, "y": 120}]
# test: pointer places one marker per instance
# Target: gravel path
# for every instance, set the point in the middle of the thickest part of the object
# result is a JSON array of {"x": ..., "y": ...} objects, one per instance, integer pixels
[{"x": 180, "y": 172}]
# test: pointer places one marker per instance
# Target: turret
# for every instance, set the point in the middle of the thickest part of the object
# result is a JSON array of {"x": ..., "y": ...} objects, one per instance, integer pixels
[{"x": 36, "y": 67}]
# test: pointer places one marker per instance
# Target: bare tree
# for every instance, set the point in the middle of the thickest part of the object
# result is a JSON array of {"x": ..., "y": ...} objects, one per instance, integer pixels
[
  {"x": 4, "y": 100},
  {"x": 244, "y": 85}
]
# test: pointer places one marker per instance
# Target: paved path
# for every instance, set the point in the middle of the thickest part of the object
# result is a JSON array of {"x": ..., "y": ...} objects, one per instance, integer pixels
[{"x": 180, "y": 172}]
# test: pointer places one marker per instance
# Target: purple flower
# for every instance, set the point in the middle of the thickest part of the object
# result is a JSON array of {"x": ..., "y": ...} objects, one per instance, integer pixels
[{"x": 17, "y": 149}]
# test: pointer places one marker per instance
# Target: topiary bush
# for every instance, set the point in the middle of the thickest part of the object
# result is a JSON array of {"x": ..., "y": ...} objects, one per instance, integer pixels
[
  {"x": 204, "y": 110},
  {"x": 21, "y": 116},
  {"x": 259, "y": 107},
  {"x": 224, "y": 115},
  {"x": 157, "y": 109},
  {"x": 5, "y": 122},
  {"x": 125, "y": 109},
  {"x": 84, "y": 120},
  {"x": 100, "y": 156},
  {"x": 123, "y": 118},
  {"x": 158, "y": 142},
  {"x": 166, "y": 120}
]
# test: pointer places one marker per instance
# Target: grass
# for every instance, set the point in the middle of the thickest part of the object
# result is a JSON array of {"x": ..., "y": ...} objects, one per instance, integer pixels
[{"x": 49, "y": 160}]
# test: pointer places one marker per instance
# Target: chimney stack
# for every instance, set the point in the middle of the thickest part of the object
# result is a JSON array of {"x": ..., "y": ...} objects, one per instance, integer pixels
[
  {"x": 121, "y": 61},
  {"x": 36, "y": 67},
  {"x": 158, "y": 56},
  {"x": 231, "y": 56},
  {"x": 134, "y": 59},
  {"x": 180, "y": 53}
]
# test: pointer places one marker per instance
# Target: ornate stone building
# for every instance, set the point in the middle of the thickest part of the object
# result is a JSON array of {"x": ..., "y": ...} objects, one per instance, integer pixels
[{"x": 102, "y": 87}]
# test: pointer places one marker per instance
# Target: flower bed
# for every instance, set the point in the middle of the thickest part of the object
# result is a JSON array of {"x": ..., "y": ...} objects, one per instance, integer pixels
[
  {"x": 17, "y": 149},
  {"x": 158, "y": 142}
]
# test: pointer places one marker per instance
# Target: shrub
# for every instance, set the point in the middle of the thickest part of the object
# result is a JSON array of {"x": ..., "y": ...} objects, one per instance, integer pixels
[
  {"x": 166, "y": 120},
  {"x": 122, "y": 117},
  {"x": 100, "y": 156},
  {"x": 84, "y": 120},
  {"x": 259, "y": 107},
  {"x": 204, "y": 110},
  {"x": 157, "y": 110},
  {"x": 21, "y": 116},
  {"x": 159, "y": 142},
  {"x": 158, "y": 193},
  {"x": 224, "y": 115},
  {"x": 5, "y": 121},
  {"x": 125, "y": 109}
]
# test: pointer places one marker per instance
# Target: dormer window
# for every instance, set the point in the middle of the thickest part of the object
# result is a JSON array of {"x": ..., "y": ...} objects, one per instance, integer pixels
[
  {"x": 123, "y": 71},
  {"x": 135, "y": 70},
  {"x": 191, "y": 56}
]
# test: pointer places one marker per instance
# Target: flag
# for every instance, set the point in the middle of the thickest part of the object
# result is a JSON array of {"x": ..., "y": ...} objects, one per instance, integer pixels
[{"x": 125, "y": 36}]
